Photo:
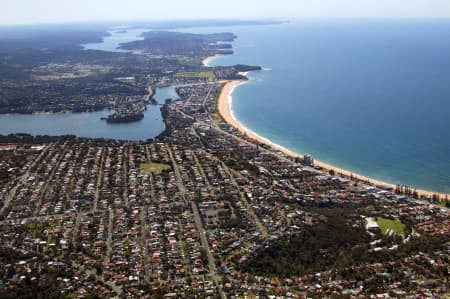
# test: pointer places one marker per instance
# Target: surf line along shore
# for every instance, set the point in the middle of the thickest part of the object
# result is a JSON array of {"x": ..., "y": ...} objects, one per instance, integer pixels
[
  {"x": 208, "y": 59},
  {"x": 225, "y": 110}
]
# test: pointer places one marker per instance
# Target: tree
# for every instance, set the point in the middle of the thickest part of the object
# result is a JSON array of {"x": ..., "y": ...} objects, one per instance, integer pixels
[{"x": 234, "y": 220}]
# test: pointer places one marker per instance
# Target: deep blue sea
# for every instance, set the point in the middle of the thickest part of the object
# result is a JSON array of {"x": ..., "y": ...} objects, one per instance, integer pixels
[{"x": 372, "y": 97}]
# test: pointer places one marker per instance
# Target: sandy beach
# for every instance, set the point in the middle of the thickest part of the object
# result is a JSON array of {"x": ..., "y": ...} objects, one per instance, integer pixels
[
  {"x": 224, "y": 106},
  {"x": 208, "y": 59}
]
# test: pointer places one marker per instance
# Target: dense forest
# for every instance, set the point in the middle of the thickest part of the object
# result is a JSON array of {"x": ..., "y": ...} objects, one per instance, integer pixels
[{"x": 335, "y": 244}]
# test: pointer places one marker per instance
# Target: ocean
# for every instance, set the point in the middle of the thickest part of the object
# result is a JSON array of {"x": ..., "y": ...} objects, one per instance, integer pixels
[{"x": 372, "y": 97}]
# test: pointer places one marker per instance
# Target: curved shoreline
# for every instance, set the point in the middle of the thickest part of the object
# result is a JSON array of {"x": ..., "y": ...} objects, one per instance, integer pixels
[
  {"x": 225, "y": 110},
  {"x": 208, "y": 60}
]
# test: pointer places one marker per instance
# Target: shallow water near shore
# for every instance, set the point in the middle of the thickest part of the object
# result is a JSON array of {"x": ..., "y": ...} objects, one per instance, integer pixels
[{"x": 372, "y": 97}]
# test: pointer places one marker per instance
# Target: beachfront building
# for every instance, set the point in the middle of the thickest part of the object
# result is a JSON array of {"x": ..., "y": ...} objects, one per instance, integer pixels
[{"x": 308, "y": 160}]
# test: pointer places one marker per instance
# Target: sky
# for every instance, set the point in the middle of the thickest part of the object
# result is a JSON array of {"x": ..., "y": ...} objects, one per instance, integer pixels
[{"x": 62, "y": 11}]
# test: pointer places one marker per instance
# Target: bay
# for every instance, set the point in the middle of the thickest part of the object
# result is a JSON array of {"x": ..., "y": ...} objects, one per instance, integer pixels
[{"x": 117, "y": 36}]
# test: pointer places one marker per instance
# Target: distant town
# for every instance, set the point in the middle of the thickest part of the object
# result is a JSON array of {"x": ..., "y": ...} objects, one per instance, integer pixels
[{"x": 200, "y": 211}]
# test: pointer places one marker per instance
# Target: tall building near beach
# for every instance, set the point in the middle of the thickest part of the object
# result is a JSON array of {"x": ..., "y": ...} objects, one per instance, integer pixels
[{"x": 308, "y": 160}]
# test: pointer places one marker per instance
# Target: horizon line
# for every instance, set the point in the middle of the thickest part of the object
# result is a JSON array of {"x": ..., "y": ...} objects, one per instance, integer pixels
[{"x": 250, "y": 19}]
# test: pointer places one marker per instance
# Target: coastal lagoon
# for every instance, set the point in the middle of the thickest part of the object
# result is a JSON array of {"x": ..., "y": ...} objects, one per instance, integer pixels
[
  {"x": 372, "y": 97},
  {"x": 89, "y": 124}
]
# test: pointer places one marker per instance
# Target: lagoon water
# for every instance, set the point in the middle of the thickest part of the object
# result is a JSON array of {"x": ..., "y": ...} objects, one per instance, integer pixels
[
  {"x": 372, "y": 97},
  {"x": 89, "y": 124}
]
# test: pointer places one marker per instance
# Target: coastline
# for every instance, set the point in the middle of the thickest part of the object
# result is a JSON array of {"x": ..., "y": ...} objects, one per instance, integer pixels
[
  {"x": 225, "y": 110},
  {"x": 208, "y": 60}
]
